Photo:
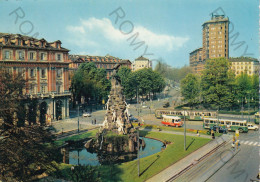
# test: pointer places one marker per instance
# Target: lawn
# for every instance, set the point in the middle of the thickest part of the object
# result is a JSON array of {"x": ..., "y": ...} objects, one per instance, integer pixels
[
  {"x": 150, "y": 165},
  {"x": 153, "y": 164},
  {"x": 88, "y": 134}
]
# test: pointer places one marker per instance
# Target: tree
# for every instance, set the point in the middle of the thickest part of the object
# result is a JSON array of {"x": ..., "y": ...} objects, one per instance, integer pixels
[
  {"x": 216, "y": 83},
  {"x": 23, "y": 150},
  {"x": 90, "y": 82},
  {"x": 255, "y": 90},
  {"x": 142, "y": 82},
  {"x": 190, "y": 88}
]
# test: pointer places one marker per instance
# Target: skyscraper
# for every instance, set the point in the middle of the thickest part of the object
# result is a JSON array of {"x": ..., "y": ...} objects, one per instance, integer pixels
[
  {"x": 215, "y": 37},
  {"x": 215, "y": 42}
]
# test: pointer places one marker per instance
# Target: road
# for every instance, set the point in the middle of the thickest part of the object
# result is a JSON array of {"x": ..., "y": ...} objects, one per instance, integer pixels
[{"x": 227, "y": 165}]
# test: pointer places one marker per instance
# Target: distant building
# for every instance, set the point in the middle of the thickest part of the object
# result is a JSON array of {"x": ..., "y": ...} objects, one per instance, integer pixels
[
  {"x": 46, "y": 67},
  {"x": 107, "y": 62},
  {"x": 196, "y": 61},
  {"x": 244, "y": 65},
  {"x": 140, "y": 63},
  {"x": 215, "y": 42}
]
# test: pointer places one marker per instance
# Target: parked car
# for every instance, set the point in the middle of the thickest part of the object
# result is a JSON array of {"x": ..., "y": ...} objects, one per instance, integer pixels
[
  {"x": 166, "y": 104},
  {"x": 252, "y": 126},
  {"x": 86, "y": 114},
  {"x": 144, "y": 106},
  {"x": 220, "y": 129},
  {"x": 133, "y": 119}
]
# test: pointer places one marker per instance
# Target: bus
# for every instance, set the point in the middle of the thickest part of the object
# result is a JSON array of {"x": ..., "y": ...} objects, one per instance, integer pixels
[
  {"x": 257, "y": 118},
  {"x": 196, "y": 115},
  {"x": 172, "y": 121},
  {"x": 230, "y": 125}
]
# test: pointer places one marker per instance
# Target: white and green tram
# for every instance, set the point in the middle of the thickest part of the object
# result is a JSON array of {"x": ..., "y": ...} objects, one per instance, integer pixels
[{"x": 230, "y": 125}]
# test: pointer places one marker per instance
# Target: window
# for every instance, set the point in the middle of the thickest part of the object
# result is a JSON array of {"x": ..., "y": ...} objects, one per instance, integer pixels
[
  {"x": 21, "y": 55},
  {"x": 42, "y": 44},
  {"x": 42, "y": 88},
  {"x": 57, "y": 45},
  {"x": 19, "y": 42},
  {"x": 42, "y": 56},
  {"x": 58, "y": 73},
  {"x": 31, "y": 89},
  {"x": 58, "y": 57},
  {"x": 32, "y": 73},
  {"x": 6, "y": 39},
  {"x": 7, "y": 54},
  {"x": 58, "y": 89},
  {"x": 31, "y": 55},
  {"x": 43, "y": 73}
]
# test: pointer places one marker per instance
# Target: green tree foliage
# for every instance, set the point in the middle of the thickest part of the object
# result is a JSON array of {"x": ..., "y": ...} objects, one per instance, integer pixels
[
  {"x": 170, "y": 73},
  {"x": 190, "y": 88},
  {"x": 144, "y": 81},
  {"x": 217, "y": 83},
  {"x": 23, "y": 152},
  {"x": 90, "y": 82}
]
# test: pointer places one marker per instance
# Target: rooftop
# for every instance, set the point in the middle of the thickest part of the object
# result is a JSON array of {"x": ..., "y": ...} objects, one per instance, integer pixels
[
  {"x": 86, "y": 58},
  {"x": 28, "y": 42},
  {"x": 216, "y": 18},
  {"x": 141, "y": 58},
  {"x": 243, "y": 59}
]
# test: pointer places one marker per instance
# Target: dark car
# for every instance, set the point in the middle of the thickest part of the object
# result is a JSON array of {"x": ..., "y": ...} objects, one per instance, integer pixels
[
  {"x": 133, "y": 119},
  {"x": 220, "y": 129},
  {"x": 166, "y": 104}
]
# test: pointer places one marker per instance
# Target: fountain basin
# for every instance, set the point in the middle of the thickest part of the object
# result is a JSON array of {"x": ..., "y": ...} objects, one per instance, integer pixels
[{"x": 79, "y": 154}]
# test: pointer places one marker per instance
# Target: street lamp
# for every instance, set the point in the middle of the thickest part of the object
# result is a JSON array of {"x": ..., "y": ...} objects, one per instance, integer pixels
[
  {"x": 77, "y": 103},
  {"x": 138, "y": 152}
]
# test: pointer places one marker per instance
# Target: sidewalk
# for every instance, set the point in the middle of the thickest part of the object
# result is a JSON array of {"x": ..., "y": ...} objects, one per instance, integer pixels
[{"x": 176, "y": 168}]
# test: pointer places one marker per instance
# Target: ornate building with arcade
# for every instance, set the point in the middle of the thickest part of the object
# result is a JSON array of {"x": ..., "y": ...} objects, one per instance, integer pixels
[{"x": 45, "y": 67}]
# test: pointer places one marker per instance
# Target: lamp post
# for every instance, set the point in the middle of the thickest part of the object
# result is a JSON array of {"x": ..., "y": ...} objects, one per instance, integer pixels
[
  {"x": 78, "y": 115},
  {"x": 138, "y": 153},
  {"x": 184, "y": 131}
]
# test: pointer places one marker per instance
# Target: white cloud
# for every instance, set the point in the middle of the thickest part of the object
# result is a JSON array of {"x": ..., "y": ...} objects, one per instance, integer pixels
[{"x": 96, "y": 33}]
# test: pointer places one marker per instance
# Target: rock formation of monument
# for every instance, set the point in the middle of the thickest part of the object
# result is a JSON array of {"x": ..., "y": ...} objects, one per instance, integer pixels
[
  {"x": 117, "y": 114},
  {"x": 124, "y": 140}
]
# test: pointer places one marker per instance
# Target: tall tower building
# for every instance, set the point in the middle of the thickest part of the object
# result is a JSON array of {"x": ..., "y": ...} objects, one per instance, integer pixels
[
  {"x": 215, "y": 42},
  {"x": 216, "y": 37}
]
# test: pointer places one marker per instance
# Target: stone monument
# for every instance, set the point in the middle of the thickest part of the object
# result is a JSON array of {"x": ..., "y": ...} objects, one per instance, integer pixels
[{"x": 124, "y": 136}]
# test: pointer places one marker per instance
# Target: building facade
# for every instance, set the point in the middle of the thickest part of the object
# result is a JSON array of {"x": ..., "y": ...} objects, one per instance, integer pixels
[
  {"x": 45, "y": 67},
  {"x": 107, "y": 62},
  {"x": 215, "y": 40},
  {"x": 140, "y": 63},
  {"x": 244, "y": 65}
]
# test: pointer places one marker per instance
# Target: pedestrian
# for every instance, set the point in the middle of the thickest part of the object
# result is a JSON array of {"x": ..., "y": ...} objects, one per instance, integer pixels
[
  {"x": 233, "y": 145},
  {"x": 95, "y": 121},
  {"x": 92, "y": 121},
  {"x": 198, "y": 134},
  {"x": 237, "y": 144}
]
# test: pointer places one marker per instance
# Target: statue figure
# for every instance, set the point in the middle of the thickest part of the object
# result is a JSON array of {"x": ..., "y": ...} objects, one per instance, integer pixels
[{"x": 114, "y": 116}]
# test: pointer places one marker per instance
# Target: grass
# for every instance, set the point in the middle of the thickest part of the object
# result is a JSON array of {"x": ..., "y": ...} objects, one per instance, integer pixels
[
  {"x": 88, "y": 134},
  {"x": 153, "y": 164},
  {"x": 150, "y": 165}
]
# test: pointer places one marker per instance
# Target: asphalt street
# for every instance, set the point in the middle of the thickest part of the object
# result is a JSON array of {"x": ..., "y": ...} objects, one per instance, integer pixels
[{"x": 228, "y": 165}]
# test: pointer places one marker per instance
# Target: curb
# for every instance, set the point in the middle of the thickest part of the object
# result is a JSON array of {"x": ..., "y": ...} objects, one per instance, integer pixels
[{"x": 197, "y": 161}]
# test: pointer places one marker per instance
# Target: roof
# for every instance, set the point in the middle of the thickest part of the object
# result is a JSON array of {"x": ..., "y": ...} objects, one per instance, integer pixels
[
  {"x": 216, "y": 19},
  {"x": 220, "y": 119},
  {"x": 243, "y": 59},
  {"x": 34, "y": 42},
  {"x": 141, "y": 58},
  {"x": 171, "y": 117},
  {"x": 102, "y": 59},
  {"x": 196, "y": 50}
]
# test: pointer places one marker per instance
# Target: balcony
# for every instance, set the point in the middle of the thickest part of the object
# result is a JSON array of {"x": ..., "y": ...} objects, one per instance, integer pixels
[{"x": 48, "y": 95}]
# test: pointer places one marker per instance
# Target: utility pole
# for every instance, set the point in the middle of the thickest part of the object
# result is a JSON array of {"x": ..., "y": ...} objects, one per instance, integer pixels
[
  {"x": 184, "y": 132},
  {"x": 78, "y": 115},
  {"x": 138, "y": 153}
]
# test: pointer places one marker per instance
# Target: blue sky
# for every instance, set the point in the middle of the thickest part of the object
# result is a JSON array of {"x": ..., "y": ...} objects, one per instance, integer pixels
[{"x": 170, "y": 29}]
